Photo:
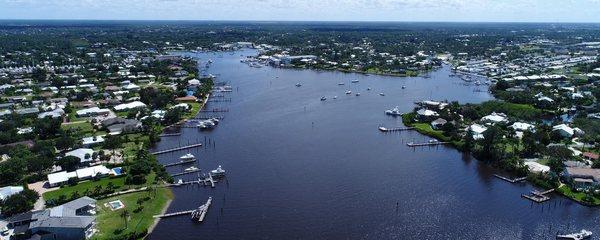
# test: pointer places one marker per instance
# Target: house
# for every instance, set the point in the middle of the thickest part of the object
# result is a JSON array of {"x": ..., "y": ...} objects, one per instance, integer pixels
[
  {"x": 495, "y": 118},
  {"x": 119, "y": 125},
  {"x": 8, "y": 191},
  {"x": 590, "y": 156},
  {"x": 426, "y": 113},
  {"x": 93, "y": 111},
  {"x": 522, "y": 127},
  {"x": 131, "y": 105},
  {"x": 74, "y": 220},
  {"x": 438, "y": 123},
  {"x": 536, "y": 167},
  {"x": 582, "y": 177},
  {"x": 60, "y": 178},
  {"x": 477, "y": 131},
  {"x": 90, "y": 141},
  {"x": 566, "y": 131},
  {"x": 56, "y": 113},
  {"x": 84, "y": 154}
]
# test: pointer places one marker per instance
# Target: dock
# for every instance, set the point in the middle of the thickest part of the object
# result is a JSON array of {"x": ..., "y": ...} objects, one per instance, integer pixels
[
  {"x": 537, "y": 196},
  {"x": 208, "y": 181},
  {"x": 395, "y": 129},
  {"x": 170, "y": 134},
  {"x": 200, "y": 213},
  {"x": 184, "y": 173},
  {"x": 177, "y": 149},
  {"x": 511, "y": 180},
  {"x": 412, "y": 144},
  {"x": 179, "y": 163},
  {"x": 207, "y": 117},
  {"x": 215, "y": 110}
]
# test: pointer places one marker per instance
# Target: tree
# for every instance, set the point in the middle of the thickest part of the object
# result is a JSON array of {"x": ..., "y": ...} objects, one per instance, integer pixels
[
  {"x": 47, "y": 128},
  {"x": 530, "y": 146},
  {"x": 20, "y": 202},
  {"x": 69, "y": 163},
  {"x": 172, "y": 116},
  {"x": 65, "y": 141}
]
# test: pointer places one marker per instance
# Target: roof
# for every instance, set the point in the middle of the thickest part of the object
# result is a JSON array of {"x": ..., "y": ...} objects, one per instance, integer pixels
[
  {"x": 91, "y": 172},
  {"x": 591, "y": 155},
  {"x": 60, "y": 177},
  {"x": 522, "y": 126},
  {"x": 427, "y": 112},
  {"x": 64, "y": 216},
  {"x": 495, "y": 117},
  {"x": 9, "y": 191},
  {"x": 576, "y": 172},
  {"x": 81, "y": 154},
  {"x": 131, "y": 105}
]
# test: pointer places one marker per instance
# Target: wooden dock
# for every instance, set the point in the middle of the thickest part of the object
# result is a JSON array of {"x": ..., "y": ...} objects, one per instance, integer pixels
[
  {"x": 395, "y": 129},
  {"x": 198, "y": 213},
  {"x": 412, "y": 144},
  {"x": 177, "y": 149},
  {"x": 511, "y": 180},
  {"x": 179, "y": 163},
  {"x": 214, "y": 110},
  {"x": 184, "y": 173},
  {"x": 537, "y": 196},
  {"x": 208, "y": 117},
  {"x": 170, "y": 134}
]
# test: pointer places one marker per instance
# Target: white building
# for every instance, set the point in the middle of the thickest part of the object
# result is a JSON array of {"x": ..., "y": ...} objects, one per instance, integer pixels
[
  {"x": 8, "y": 191},
  {"x": 477, "y": 131},
  {"x": 84, "y": 154},
  {"x": 131, "y": 105}
]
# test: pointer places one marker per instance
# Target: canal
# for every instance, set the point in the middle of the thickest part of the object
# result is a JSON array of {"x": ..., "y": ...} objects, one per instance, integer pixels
[{"x": 301, "y": 168}]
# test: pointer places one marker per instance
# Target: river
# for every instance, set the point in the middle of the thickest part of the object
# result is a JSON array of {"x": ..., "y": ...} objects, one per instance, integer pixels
[{"x": 301, "y": 168}]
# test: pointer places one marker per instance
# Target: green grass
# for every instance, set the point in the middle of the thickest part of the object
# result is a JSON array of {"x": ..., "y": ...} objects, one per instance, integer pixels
[
  {"x": 112, "y": 226},
  {"x": 81, "y": 127},
  {"x": 118, "y": 183},
  {"x": 426, "y": 129},
  {"x": 195, "y": 108},
  {"x": 577, "y": 196}
]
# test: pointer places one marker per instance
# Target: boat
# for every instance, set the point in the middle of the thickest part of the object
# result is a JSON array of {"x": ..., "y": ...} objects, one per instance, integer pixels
[
  {"x": 334, "y": 97},
  {"x": 341, "y": 83},
  {"x": 403, "y": 87},
  {"x": 381, "y": 94},
  {"x": 369, "y": 89},
  {"x": 180, "y": 181},
  {"x": 357, "y": 94},
  {"x": 190, "y": 169},
  {"x": 214, "y": 120},
  {"x": 323, "y": 98},
  {"x": 218, "y": 172},
  {"x": 188, "y": 156},
  {"x": 583, "y": 234},
  {"x": 348, "y": 92},
  {"x": 354, "y": 81},
  {"x": 394, "y": 111},
  {"x": 298, "y": 85}
]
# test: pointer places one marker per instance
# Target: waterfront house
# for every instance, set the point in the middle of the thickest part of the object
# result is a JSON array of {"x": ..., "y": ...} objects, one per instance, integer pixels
[
  {"x": 60, "y": 178},
  {"x": 536, "y": 167},
  {"x": 119, "y": 125},
  {"x": 438, "y": 123},
  {"x": 582, "y": 177},
  {"x": 74, "y": 220},
  {"x": 477, "y": 131},
  {"x": 590, "y": 156},
  {"x": 495, "y": 118},
  {"x": 424, "y": 114}
]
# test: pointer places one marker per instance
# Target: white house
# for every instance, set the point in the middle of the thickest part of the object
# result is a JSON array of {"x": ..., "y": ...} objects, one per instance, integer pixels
[
  {"x": 537, "y": 167},
  {"x": 8, "y": 191},
  {"x": 427, "y": 113},
  {"x": 564, "y": 130},
  {"x": 90, "y": 141},
  {"x": 84, "y": 154},
  {"x": 521, "y": 126},
  {"x": 477, "y": 131},
  {"x": 495, "y": 118},
  {"x": 131, "y": 105},
  {"x": 93, "y": 111}
]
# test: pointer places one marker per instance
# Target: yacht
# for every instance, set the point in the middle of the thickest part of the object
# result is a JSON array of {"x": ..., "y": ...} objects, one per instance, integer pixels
[
  {"x": 341, "y": 83},
  {"x": 214, "y": 120},
  {"x": 323, "y": 98},
  {"x": 298, "y": 85},
  {"x": 334, "y": 97},
  {"x": 583, "y": 234},
  {"x": 188, "y": 156},
  {"x": 369, "y": 89},
  {"x": 354, "y": 81},
  {"x": 357, "y": 94},
  {"x": 403, "y": 87},
  {"x": 190, "y": 169},
  {"x": 348, "y": 92},
  {"x": 218, "y": 172},
  {"x": 394, "y": 112},
  {"x": 180, "y": 181},
  {"x": 381, "y": 94}
]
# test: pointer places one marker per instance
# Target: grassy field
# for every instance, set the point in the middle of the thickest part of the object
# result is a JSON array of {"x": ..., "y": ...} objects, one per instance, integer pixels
[
  {"x": 426, "y": 129},
  {"x": 118, "y": 185},
  {"x": 577, "y": 196},
  {"x": 111, "y": 224},
  {"x": 195, "y": 108}
]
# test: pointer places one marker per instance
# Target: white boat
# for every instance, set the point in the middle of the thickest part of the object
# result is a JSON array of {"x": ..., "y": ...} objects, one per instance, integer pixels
[
  {"x": 354, "y": 81},
  {"x": 341, "y": 83},
  {"x": 368, "y": 89},
  {"x": 381, "y": 94},
  {"x": 218, "y": 172},
  {"x": 323, "y": 98},
  {"x": 180, "y": 181},
  {"x": 403, "y": 87},
  {"x": 334, "y": 97},
  {"x": 357, "y": 94},
  {"x": 214, "y": 120},
  {"x": 583, "y": 234},
  {"x": 188, "y": 156},
  {"x": 394, "y": 112},
  {"x": 348, "y": 92},
  {"x": 298, "y": 85},
  {"x": 190, "y": 169}
]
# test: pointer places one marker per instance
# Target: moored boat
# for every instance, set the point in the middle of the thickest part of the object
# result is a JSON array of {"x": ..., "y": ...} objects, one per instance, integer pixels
[
  {"x": 218, "y": 172},
  {"x": 188, "y": 156},
  {"x": 583, "y": 234}
]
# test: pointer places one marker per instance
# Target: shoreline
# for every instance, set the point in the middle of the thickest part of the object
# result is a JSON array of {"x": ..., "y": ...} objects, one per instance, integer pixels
[{"x": 157, "y": 220}]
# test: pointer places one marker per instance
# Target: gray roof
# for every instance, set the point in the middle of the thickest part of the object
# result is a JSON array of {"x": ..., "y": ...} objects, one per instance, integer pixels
[{"x": 64, "y": 216}]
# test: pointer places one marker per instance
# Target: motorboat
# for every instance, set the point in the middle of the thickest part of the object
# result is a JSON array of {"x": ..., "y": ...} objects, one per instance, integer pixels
[
  {"x": 180, "y": 181},
  {"x": 583, "y": 234},
  {"x": 191, "y": 169},
  {"x": 188, "y": 156},
  {"x": 369, "y": 89},
  {"x": 348, "y": 92},
  {"x": 334, "y": 97},
  {"x": 394, "y": 111},
  {"x": 218, "y": 172},
  {"x": 354, "y": 81},
  {"x": 341, "y": 83},
  {"x": 323, "y": 98},
  {"x": 403, "y": 87},
  {"x": 381, "y": 94},
  {"x": 357, "y": 94},
  {"x": 298, "y": 85},
  {"x": 214, "y": 120}
]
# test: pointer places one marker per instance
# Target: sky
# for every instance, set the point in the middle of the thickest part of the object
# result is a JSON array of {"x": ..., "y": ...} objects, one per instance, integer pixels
[{"x": 308, "y": 10}]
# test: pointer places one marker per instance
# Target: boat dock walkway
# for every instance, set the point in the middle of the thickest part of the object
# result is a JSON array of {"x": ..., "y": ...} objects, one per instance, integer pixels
[
  {"x": 170, "y": 134},
  {"x": 185, "y": 172},
  {"x": 177, "y": 149},
  {"x": 207, "y": 117},
  {"x": 179, "y": 163},
  {"x": 198, "y": 213},
  {"x": 537, "y": 196},
  {"x": 215, "y": 110},
  {"x": 412, "y": 144},
  {"x": 395, "y": 129},
  {"x": 511, "y": 180}
]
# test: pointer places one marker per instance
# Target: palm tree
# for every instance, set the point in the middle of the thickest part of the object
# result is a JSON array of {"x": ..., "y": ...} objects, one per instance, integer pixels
[{"x": 125, "y": 215}]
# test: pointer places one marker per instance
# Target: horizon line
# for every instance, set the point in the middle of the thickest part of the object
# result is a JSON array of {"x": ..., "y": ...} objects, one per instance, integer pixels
[{"x": 295, "y": 21}]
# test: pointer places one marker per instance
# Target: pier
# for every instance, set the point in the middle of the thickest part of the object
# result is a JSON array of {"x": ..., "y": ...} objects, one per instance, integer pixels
[
  {"x": 537, "y": 196},
  {"x": 179, "y": 163},
  {"x": 170, "y": 134},
  {"x": 185, "y": 172},
  {"x": 208, "y": 117},
  {"x": 511, "y": 180},
  {"x": 412, "y": 144},
  {"x": 198, "y": 213},
  {"x": 395, "y": 129},
  {"x": 215, "y": 110},
  {"x": 176, "y": 149}
]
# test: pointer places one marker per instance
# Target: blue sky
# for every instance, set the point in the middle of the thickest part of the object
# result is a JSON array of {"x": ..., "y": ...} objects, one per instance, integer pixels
[{"x": 308, "y": 10}]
